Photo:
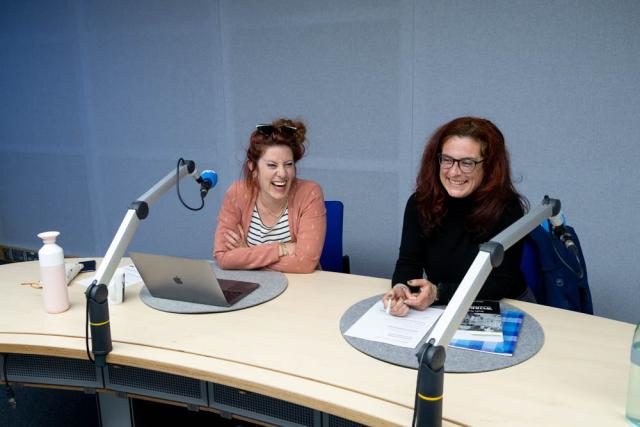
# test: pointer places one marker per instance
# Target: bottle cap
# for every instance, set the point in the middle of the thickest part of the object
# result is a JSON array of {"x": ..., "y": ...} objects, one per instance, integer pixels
[{"x": 49, "y": 236}]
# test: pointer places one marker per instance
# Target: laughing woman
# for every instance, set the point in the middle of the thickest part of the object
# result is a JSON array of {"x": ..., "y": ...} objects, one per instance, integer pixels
[
  {"x": 464, "y": 196},
  {"x": 271, "y": 219}
]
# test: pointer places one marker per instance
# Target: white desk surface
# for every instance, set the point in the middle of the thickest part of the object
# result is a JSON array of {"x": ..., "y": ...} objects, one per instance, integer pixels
[{"x": 291, "y": 348}]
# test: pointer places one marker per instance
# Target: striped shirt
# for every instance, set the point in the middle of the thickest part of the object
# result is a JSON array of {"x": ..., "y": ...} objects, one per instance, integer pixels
[{"x": 260, "y": 233}]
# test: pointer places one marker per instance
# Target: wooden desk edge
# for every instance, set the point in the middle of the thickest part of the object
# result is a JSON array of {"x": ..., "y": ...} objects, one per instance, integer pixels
[{"x": 326, "y": 398}]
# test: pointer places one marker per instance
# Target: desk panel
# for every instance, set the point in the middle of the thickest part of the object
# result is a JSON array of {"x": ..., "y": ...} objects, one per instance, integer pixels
[{"x": 291, "y": 349}]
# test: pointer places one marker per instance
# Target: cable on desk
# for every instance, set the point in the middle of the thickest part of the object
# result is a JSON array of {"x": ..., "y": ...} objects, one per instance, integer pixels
[{"x": 11, "y": 397}]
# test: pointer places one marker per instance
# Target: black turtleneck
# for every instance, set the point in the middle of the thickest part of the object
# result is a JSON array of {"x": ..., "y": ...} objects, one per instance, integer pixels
[{"x": 446, "y": 255}]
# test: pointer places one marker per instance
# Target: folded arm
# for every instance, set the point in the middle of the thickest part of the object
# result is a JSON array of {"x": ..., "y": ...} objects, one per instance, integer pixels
[
  {"x": 309, "y": 239},
  {"x": 241, "y": 256}
]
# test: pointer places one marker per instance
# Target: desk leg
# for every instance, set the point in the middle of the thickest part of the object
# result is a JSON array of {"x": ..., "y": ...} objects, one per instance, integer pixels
[{"x": 115, "y": 411}]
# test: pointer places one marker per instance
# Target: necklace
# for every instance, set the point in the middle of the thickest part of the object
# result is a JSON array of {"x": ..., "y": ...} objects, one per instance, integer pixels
[{"x": 260, "y": 206}]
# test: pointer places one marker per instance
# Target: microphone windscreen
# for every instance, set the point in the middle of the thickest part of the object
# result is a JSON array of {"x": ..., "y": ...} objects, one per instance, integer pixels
[{"x": 211, "y": 176}]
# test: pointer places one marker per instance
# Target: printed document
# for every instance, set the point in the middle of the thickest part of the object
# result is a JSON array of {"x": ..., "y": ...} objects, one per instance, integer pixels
[{"x": 377, "y": 325}]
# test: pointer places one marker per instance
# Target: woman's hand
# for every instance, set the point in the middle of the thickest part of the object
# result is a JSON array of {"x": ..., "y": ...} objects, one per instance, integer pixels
[
  {"x": 425, "y": 297},
  {"x": 395, "y": 297},
  {"x": 235, "y": 240}
]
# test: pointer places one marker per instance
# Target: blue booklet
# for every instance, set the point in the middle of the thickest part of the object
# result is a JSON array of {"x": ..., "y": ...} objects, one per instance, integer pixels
[{"x": 511, "y": 323}]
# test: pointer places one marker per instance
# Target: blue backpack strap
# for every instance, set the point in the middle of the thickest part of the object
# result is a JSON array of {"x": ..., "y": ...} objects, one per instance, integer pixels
[{"x": 558, "y": 285}]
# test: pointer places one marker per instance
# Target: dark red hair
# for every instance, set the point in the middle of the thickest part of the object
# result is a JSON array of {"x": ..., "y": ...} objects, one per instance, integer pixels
[
  {"x": 259, "y": 142},
  {"x": 494, "y": 193}
]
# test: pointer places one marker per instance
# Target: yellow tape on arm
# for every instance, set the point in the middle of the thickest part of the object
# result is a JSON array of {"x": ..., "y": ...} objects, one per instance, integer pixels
[{"x": 431, "y": 399}]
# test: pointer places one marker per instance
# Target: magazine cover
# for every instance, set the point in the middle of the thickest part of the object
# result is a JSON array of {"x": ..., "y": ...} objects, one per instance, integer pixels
[
  {"x": 482, "y": 322},
  {"x": 511, "y": 324}
]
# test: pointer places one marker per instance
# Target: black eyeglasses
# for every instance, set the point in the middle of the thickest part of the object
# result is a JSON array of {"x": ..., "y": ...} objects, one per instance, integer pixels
[
  {"x": 466, "y": 165},
  {"x": 284, "y": 130}
]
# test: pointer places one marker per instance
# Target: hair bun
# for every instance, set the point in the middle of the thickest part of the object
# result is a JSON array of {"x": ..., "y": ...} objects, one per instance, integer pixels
[{"x": 301, "y": 132}]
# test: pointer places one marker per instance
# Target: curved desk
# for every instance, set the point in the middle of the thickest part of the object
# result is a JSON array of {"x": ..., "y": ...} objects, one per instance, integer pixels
[{"x": 291, "y": 349}]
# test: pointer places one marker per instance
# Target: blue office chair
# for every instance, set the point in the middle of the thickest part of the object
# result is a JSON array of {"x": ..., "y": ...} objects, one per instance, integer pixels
[
  {"x": 530, "y": 267},
  {"x": 332, "y": 258}
]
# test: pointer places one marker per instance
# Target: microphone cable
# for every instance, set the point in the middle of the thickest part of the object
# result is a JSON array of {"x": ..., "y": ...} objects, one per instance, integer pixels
[
  {"x": 180, "y": 163},
  {"x": 86, "y": 332},
  {"x": 580, "y": 273}
]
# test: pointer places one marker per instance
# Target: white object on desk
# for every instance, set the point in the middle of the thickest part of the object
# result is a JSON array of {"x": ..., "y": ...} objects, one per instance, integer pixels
[
  {"x": 377, "y": 325},
  {"x": 131, "y": 277},
  {"x": 116, "y": 287},
  {"x": 72, "y": 270}
]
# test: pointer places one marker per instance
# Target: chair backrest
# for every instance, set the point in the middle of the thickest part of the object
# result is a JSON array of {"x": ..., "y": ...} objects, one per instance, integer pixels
[
  {"x": 530, "y": 267},
  {"x": 332, "y": 258}
]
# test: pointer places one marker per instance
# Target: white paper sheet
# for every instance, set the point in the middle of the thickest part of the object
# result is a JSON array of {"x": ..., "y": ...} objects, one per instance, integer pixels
[
  {"x": 377, "y": 325},
  {"x": 131, "y": 276}
]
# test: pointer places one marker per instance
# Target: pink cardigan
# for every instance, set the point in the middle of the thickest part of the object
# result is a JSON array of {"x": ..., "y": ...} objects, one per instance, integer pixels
[{"x": 307, "y": 224}]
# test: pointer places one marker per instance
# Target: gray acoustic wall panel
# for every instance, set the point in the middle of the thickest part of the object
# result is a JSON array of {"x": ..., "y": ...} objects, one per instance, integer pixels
[
  {"x": 365, "y": 237},
  {"x": 52, "y": 201}
]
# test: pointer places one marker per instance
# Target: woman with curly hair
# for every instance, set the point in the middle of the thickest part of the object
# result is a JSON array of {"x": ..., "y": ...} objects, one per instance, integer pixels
[{"x": 464, "y": 196}]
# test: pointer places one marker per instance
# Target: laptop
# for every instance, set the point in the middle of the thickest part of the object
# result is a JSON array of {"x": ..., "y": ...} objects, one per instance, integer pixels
[{"x": 189, "y": 280}]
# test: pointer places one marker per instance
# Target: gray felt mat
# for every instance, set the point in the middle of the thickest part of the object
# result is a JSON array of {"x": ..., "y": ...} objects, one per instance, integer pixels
[
  {"x": 272, "y": 284},
  {"x": 529, "y": 343}
]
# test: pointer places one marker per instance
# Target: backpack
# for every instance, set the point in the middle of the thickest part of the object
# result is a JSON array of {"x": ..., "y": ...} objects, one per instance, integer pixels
[{"x": 556, "y": 283}]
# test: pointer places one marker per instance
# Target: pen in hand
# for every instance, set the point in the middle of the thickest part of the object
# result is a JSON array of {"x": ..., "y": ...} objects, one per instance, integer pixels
[{"x": 389, "y": 300}]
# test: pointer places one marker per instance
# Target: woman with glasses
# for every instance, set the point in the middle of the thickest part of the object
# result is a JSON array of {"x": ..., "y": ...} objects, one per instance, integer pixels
[
  {"x": 464, "y": 196},
  {"x": 271, "y": 219}
]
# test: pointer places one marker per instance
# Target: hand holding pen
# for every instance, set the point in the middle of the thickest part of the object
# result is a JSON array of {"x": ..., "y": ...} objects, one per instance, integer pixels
[{"x": 393, "y": 300}]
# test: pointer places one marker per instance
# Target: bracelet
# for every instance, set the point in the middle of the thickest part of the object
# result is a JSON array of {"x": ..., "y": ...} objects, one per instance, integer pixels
[{"x": 283, "y": 249}]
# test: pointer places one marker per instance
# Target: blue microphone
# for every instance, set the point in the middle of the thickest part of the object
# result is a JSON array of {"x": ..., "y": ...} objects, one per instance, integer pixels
[{"x": 207, "y": 180}]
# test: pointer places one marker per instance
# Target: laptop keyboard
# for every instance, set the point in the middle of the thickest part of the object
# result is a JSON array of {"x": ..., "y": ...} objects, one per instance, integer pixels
[{"x": 231, "y": 295}]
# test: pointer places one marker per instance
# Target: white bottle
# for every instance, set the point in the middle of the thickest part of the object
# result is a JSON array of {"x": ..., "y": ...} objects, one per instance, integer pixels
[{"x": 52, "y": 274}]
